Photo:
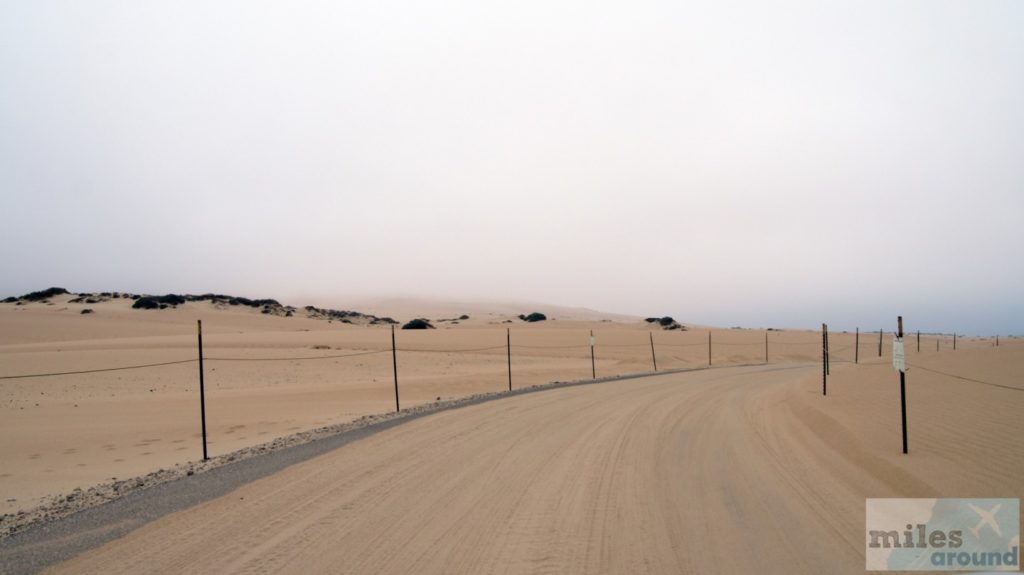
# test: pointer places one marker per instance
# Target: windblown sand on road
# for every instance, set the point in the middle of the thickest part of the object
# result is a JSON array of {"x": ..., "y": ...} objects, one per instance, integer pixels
[{"x": 737, "y": 469}]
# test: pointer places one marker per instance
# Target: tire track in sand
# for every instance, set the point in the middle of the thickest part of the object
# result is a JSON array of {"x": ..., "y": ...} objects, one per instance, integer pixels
[{"x": 681, "y": 473}]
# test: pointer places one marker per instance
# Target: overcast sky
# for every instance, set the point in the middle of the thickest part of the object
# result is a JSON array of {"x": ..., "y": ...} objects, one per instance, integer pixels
[{"x": 730, "y": 163}]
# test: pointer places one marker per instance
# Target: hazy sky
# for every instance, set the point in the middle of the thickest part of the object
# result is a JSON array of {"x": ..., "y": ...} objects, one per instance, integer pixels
[{"x": 732, "y": 163}]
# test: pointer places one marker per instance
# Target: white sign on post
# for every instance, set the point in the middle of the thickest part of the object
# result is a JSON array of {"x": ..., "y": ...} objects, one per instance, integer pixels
[{"x": 899, "y": 362}]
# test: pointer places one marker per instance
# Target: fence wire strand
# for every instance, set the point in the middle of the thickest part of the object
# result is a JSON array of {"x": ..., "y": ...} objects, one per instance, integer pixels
[
  {"x": 85, "y": 371},
  {"x": 955, "y": 376},
  {"x": 409, "y": 350},
  {"x": 296, "y": 358}
]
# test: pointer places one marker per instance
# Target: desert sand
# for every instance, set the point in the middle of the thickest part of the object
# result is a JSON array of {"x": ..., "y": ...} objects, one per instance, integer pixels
[
  {"x": 67, "y": 432},
  {"x": 743, "y": 467}
]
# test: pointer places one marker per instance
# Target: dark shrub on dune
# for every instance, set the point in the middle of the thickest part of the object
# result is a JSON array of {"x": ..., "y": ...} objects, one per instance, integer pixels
[
  {"x": 253, "y": 302},
  {"x": 533, "y": 317},
  {"x": 463, "y": 317},
  {"x": 170, "y": 299},
  {"x": 418, "y": 324},
  {"x": 10, "y": 299},
  {"x": 44, "y": 294},
  {"x": 667, "y": 323},
  {"x": 86, "y": 310},
  {"x": 146, "y": 303}
]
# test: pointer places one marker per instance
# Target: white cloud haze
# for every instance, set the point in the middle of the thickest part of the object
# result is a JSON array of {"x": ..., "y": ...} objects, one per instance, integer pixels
[{"x": 732, "y": 163}]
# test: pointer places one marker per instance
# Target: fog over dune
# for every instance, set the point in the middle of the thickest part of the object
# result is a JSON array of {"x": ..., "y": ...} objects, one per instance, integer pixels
[{"x": 725, "y": 163}]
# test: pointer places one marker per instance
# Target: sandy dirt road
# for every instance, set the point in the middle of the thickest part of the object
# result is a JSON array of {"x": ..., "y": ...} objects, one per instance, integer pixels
[{"x": 725, "y": 470}]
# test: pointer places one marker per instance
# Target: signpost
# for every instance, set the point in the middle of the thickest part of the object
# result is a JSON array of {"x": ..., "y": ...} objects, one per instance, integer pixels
[
  {"x": 593, "y": 367},
  {"x": 899, "y": 364}
]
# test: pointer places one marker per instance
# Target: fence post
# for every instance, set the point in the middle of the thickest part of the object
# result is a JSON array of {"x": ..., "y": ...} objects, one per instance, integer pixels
[
  {"x": 856, "y": 347},
  {"x": 997, "y": 341},
  {"x": 919, "y": 341},
  {"x": 654, "y": 358},
  {"x": 709, "y": 348},
  {"x": 766, "y": 347},
  {"x": 879, "y": 343},
  {"x": 508, "y": 347},
  {"x": 824, "y": 362},
  {"x": 202, "y": 387},
  {"x": 394, "y": 364},
  {"x": 828, "y": 358},
  {"x": 954, "y": 341},
  {"x": 593, "y": 368}
]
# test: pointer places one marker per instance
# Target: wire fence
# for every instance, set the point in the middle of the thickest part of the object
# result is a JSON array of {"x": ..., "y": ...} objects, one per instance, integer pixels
[
  {"x": 769, "y": 344},
  {"x": 258, "y": 393}
]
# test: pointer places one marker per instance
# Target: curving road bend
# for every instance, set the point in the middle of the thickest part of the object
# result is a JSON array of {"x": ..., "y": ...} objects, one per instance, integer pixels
[{"x": 706, "y": 471}]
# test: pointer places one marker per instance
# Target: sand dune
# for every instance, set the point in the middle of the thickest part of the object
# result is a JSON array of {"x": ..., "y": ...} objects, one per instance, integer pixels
[
  {"x": 488, "y": 310},
  {"x": 62, "y": 433}
]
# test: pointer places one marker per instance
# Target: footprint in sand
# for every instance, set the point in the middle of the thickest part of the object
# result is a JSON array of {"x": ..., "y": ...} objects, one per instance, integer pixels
[
  {"x": 34, "y": 456},
  {"x": 118, "y": 460},
  {"x": 146, "y": 453},
  {"x": 70, "y": 451},
  {"x": 81, "y": 465},
  {"x": 178, "y": 441}
]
